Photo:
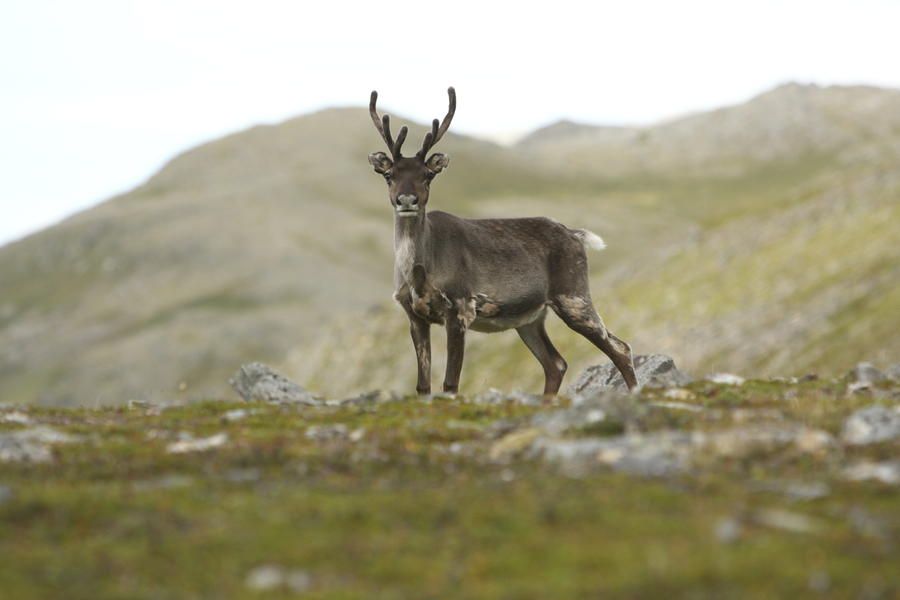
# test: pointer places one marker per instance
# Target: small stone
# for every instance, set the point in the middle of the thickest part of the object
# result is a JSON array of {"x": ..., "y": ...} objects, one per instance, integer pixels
[
  {"x": 166, "y": 482},
  {"x": 872, "y": 424},
  {"x": 728, "y": 530},
  {"x": 893, "y": 373},
  {"x": 247, "y": 475},
  {"x": 493, "y": 396},
  {"x": 813, "y": 441},
  {"x": 6, "y": 494},
  {"x": 322, "y": 433},
  {"x": 677, "y": 406},
  {"x": 514, "y": 443},
  {"x": 235, "y": 415},
  {"x": 16, "y": 417},
  {"x": 650, "y": 455},
  {"x": 271, "y": 577},
  {"x": 819, "y": 581},
  {"x": 198, "y": 444},
  {"x": 865, "y": 373},
  {"x": 786, "y": 521},
  {"x": 886, "y": 471},
  {"x": 32, "y": 445},
  {"x": 366, "y": 399},
  {"x": 265, "y": 577},
  {"x": 678, "y": 394},
  {"x": 726, "y": 379},
  {"x": 798, "y": 490}
]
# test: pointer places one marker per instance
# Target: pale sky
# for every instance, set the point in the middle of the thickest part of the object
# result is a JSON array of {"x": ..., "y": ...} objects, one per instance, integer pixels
[{"x": 95, "y": 95}]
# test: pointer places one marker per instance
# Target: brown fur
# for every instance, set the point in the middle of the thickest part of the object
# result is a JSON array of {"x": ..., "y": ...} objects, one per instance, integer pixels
[{"x": 485, "y": 274}]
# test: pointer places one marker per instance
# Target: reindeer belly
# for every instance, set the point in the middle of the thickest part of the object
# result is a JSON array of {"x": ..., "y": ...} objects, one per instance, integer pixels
[{"x": 501, "y": 322}]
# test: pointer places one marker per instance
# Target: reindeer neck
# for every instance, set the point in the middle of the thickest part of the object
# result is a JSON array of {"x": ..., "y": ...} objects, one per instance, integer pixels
[{"x": 410, "y": 245}]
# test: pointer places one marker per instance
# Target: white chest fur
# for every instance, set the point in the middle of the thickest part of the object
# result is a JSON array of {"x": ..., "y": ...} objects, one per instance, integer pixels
[{"x": 404, "y": 257}]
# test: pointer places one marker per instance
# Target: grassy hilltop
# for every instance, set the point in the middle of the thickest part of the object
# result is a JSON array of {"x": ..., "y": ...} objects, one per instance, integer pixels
[
  {"x": 756, "y": 491},
  {"x": 759, "y": 238}
]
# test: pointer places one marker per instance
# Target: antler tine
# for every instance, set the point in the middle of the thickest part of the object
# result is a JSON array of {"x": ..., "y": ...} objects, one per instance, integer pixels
[
  {"x": 382, "y": 124},
  {"x": 401, "y": 137},
  {"x": 438, "y": 132},
  {"x": 429, "y": 139},
  {"x": 386, "y": 131}
]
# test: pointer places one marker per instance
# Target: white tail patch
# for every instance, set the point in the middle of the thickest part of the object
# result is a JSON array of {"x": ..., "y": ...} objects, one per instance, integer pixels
[{"x": 590, "y": 239}]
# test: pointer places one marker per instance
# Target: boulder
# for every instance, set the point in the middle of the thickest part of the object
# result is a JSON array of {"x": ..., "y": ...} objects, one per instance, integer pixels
[
  {"x": 652, "y": 370},
  {"x": 259, "y": 382}
]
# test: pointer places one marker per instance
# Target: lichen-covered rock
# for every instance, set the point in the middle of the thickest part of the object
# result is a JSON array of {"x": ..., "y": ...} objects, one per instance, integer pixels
[
  {"x": 259, "y": 382},
  {"x": 652, "y": 370},
  {"x": 872, "y": 424}
]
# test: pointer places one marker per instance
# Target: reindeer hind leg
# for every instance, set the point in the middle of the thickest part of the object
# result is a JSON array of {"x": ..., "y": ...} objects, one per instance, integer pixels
[
  {"x": 535, "y": 337},
  {"x": 580, "y": 315}
]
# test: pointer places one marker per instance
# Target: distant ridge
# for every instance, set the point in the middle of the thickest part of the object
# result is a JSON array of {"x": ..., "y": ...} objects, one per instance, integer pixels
[{"x": 759, "y": 237}]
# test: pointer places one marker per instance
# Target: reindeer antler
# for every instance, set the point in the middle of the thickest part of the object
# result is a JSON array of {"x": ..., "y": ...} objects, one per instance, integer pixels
[
  {"x": 436, "y": 133},
  {"x": 383, "y": 125}
]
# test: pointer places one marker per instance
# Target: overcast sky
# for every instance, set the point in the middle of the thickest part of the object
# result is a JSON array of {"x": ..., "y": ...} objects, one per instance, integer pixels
[{"x": 95, "y": 95}]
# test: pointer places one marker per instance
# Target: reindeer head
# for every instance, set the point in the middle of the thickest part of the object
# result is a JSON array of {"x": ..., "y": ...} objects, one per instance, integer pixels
[{"x": 409, "y": 178}]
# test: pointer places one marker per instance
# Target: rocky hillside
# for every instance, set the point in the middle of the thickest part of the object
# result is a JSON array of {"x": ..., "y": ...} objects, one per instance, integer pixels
[
  {"x": 756, "y": 238},
  {"x": 716, "y": 488}
]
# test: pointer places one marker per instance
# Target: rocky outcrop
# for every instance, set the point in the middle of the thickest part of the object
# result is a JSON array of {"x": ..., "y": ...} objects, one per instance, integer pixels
[
  {"x": 652, "y": 370},
  {"x": 256, "y": 382}
]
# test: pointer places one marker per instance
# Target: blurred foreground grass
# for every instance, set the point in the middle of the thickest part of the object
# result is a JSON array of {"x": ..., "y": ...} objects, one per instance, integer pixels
[{"x": 402, "y": 499}]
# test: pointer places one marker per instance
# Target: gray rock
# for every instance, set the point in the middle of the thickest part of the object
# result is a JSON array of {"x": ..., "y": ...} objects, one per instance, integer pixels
[
  {"x": 258, "y": 382},
  {"x": 650, "y": 455},
  {"x": 610, "y": 410},
  {"x": 324, "y": 433},
  {"x": 667, "y": 452},
  {"x": 369, "y": 398},
  {"x": 272, "y": 577},
  {"x": 872, "y": 424},
  {"x": 31, "y": 445},
  {"x": 885, "y": 471},
  {"x": 494, "y": 396},
  {"x": 728, "y": 530},
  {"x": 893, "y": 373},
  {"x": 865, "y": 373},
  {"x": 652, "y": 370}
]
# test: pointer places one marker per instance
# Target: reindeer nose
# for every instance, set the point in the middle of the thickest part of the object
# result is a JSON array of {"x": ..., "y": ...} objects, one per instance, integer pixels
[{"x": 407, "y": 201}]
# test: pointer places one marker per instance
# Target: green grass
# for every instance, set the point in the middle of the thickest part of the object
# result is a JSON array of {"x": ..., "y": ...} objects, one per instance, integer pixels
[{"x": 414, "y": 508}]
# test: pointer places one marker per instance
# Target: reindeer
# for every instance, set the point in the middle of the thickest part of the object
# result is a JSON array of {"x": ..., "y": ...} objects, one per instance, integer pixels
[{"x": 487, "y": 275}]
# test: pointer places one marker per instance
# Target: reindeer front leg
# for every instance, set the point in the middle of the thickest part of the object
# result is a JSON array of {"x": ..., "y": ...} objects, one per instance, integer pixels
[
  {"x": 420, "y": 331},
  {"x": 458, "y": 321}
]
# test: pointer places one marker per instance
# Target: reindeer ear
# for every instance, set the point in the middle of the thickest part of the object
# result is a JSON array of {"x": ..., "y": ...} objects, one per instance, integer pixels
[
  {"x": 380, "y": 161},
  {"x": 437, "y": 162}
]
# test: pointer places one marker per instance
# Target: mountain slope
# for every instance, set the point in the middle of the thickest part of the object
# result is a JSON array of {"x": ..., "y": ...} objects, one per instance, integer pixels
[{"x": 756, "y": 236}]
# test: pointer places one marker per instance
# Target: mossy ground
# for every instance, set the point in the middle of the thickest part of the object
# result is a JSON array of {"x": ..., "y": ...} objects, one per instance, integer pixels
[{"x": 404, "y": 502}]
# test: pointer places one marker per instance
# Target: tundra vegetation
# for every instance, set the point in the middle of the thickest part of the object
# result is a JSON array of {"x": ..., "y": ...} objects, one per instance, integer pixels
[{"x": 761, "y": 488}]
